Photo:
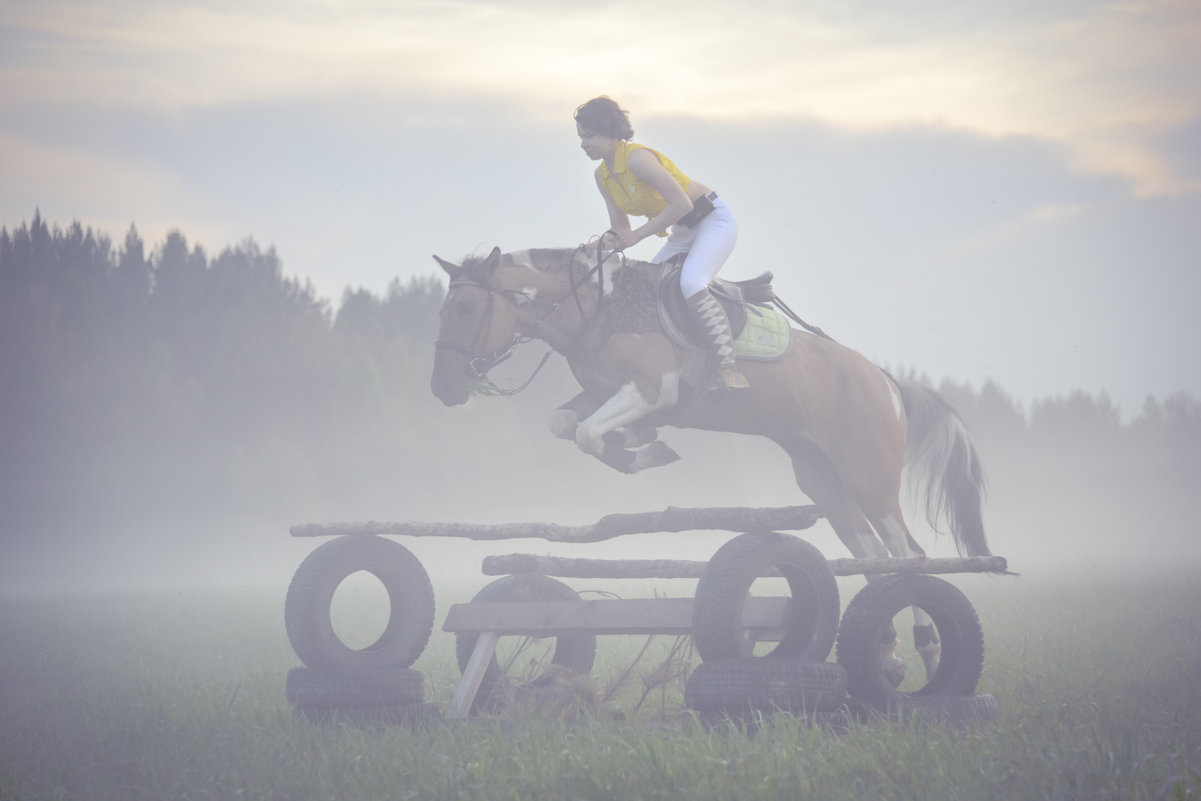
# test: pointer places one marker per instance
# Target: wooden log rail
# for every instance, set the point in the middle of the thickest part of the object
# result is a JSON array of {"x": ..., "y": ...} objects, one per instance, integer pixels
[
  {"x": 670, "y": 568},
  {"x": 672, "y": 519}
]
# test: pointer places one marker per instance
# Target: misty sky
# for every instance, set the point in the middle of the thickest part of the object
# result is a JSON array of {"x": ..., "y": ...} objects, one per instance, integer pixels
[{"x": 994, "y": 190}]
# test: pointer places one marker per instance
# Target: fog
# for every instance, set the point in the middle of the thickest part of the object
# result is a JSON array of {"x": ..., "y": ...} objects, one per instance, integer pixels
[
  {"x": 934, "y": 189},
  {"x": 1096, "y": 501}
]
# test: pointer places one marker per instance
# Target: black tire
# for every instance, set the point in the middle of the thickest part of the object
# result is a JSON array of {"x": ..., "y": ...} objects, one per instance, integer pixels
[
  {"x": 722, "y": 590},
  {"x": 574, "y": 652},
  {"x": 410, "y": 594},
  {"x": 360, "y": 687},
  {"x": 740, "y": 686},
  {"x": 867, "y": 624}
]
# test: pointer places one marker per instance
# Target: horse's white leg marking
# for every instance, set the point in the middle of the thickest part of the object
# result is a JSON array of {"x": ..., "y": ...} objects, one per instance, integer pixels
[{"x": 626, "y": 406}]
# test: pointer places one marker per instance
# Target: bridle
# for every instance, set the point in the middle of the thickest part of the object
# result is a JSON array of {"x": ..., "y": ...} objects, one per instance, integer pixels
[{"x": 480, "y": 363}]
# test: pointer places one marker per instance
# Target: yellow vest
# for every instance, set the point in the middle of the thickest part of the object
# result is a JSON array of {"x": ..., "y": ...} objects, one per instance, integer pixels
[{"x": 632, "y": 195}]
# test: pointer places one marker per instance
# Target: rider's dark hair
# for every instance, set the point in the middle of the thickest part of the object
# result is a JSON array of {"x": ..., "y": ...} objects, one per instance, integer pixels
[{"x": 601, "y": 115}]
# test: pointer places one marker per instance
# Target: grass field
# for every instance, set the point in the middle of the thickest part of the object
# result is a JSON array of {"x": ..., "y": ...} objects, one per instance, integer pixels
[{"x": 181, "y": 696}]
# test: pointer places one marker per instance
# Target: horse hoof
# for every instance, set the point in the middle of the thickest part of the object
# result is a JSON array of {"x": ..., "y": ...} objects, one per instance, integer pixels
[
  {"x": 637, "y": 436},
  {"x": 656, "y": 454},
  {"x": 662, "y": 453}
]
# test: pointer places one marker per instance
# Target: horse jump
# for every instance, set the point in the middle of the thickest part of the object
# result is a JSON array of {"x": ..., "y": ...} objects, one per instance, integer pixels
[{"x": 848, "y": 427}]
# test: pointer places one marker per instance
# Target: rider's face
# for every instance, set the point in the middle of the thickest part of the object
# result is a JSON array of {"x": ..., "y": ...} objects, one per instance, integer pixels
[{"x": 596, "y": 146}]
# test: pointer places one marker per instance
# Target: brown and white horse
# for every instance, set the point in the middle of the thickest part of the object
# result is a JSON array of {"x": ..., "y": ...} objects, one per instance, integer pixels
[{"x": 848, "y": 427}]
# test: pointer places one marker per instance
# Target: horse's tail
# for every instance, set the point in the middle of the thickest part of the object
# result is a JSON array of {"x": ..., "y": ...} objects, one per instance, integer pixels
[{"x": 944, "y": 464}]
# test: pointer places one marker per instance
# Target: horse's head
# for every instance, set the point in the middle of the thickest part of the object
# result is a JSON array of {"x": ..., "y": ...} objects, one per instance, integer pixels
[{"x": 479, "y": 328}]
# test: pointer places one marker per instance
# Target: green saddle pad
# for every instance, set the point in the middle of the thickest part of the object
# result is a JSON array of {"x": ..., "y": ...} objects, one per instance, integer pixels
[{"x": 766, "y": 336}]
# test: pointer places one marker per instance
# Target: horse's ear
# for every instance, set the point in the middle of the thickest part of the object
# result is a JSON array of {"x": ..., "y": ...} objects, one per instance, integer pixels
[
  {"x": 451, "y": 269},
  {"x": 493, "y": 261}
]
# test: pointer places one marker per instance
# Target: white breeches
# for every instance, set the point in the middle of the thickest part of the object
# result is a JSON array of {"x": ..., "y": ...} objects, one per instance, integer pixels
[{"x": 708, "y": 246}]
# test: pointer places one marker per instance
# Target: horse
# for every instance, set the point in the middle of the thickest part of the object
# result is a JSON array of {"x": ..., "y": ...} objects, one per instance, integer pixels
[{"x": 848, "y": 426}]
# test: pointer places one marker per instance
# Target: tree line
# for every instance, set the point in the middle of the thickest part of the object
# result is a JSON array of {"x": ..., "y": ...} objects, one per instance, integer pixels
[
  {"x": 161, "y": 378},
  {"x": 174, "y": 381}
]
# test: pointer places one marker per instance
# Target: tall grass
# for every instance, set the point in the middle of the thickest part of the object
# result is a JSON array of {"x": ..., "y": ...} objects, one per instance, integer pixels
[{"x": 181, "y": 696}]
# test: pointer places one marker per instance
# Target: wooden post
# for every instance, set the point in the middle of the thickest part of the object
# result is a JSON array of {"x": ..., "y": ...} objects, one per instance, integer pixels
[{"x": 473, "y": 674}]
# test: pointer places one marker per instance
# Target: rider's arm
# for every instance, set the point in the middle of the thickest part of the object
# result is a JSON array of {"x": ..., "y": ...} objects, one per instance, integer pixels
[
  {"x": 646, "y": 167},
  {"x": 619, "y": 221}
]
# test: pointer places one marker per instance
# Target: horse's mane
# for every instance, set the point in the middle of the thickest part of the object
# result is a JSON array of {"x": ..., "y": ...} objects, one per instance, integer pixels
[
  {"x": 555, "y": 262},
  {"x": 545, "y": 260}
]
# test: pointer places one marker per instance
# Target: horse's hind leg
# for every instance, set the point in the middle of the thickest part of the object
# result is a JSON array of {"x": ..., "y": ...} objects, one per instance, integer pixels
[
  {"x": 817, "y": 479},
  {"x": 892, "y": 529}
]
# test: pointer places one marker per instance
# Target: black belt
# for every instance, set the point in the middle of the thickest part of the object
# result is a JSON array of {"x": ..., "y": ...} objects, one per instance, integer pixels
[{"x": 700, "y": 210}]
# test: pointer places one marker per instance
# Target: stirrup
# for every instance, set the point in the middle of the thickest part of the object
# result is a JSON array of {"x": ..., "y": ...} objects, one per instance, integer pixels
[
  {"x": 733, "y": 379},
  {"x": 723, "y": 383}
]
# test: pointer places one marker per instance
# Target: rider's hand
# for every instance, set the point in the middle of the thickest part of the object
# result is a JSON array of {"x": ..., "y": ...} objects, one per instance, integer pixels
[{"x": 618, "y": 240}]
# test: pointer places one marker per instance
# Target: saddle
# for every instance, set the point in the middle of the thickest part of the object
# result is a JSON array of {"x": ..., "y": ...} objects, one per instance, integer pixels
[{"x": 734, "y": 297}]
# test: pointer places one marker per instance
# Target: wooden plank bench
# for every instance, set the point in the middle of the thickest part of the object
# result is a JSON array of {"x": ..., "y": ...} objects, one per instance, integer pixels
[{"x": 762, "y": 617}]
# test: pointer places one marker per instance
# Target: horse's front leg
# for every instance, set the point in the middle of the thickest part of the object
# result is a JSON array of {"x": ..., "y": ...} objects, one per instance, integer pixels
[
  {"x": 623, "y": 448},
  {"x": 607, "y": 432},
  {"x": 566, "y": 419}
]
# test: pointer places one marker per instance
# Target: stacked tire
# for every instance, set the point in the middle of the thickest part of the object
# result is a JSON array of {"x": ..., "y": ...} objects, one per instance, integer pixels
[
  {"x": 867, "y": 631},
  {"x": 371, "y": 685},
  {"x": 732, "y": 683},
  {"x": 794, "y": 677}
]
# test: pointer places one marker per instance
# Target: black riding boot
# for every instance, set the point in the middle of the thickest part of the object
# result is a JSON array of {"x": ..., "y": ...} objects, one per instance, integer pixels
[{"x": 716, "y": 327}]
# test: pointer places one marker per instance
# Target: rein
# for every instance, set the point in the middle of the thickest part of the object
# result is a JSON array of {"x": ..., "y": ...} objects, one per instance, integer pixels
[{"x": 481, "y": 363}]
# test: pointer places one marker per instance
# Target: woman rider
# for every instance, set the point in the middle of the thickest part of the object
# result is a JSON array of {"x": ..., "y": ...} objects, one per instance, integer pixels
[{"x": 633, "y": 179}]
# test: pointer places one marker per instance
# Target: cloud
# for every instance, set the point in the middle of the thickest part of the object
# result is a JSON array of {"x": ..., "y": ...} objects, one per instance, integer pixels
[
  {"x": 1105, "y": 80},
  {"x": 82, "y": 180}
]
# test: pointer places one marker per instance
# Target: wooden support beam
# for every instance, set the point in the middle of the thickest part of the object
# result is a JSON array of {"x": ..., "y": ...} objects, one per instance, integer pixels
[
  {"x": 473, "y": 674},
  {"x": 740, "y": 519},
  {"x": 762, "y": 617},
  {"x": 503, "y": 565}
]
